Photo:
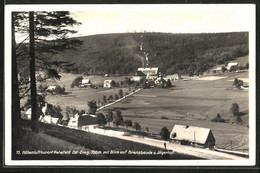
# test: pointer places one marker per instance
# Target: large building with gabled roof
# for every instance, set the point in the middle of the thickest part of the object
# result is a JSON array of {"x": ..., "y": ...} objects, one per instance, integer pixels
[{"x": 193, "y": 135}]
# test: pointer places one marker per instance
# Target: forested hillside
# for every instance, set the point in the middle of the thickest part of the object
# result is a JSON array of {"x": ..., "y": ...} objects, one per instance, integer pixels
[{"x": 182, "y": 53}]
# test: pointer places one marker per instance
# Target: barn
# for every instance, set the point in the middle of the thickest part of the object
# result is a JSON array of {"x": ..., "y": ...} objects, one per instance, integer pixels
[
  {"x": 83, "y": 122},
  {"x": 202, "y": 137}
]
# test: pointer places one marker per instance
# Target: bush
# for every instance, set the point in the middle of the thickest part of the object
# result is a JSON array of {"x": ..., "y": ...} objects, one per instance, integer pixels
[
  {"x": 76, "y": 81},
  {"x": 223, "y": 69},
  {"x": 238, "y": 83},
  {"x": 163, "y": 117},
  {"x": 92, "y": 105},
  {"x": 101, "y": 119},
  {"x": 118, "y": 120},
  {"x": 247, "y": 66},
  {"x": 42, "y": 88},
  {"x": 218, "y": 119},
  {"x": 116, "y": 97},
  {"x": 234, "y": 109},
  {"x": 233, "y": 68},
  {"x": 110, "y": 98},
  {"x": 121, "y": 93},
  {"x": 127, "y": 123},
  {"x": 164, "y": 133},
  {"x": 137, "y": 126},
  {"x": 57, "y": 90},
  {"x": 104, "y": 98},
  {"x": 239, "y": 119},
  {"x": 168, "y": 83},
  {"x": 70, "y": 111}
]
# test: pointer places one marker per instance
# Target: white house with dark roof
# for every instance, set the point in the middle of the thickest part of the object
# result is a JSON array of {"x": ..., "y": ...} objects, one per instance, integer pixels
[
  {"x": 108, "y": 83},
  {"x": 193, "y": 135},
  {"x": 85, "y": 83},
  {"x": 232, "y": 64},
  {"x": 47, "y": 115},
  {"x": 84, "y": 122},
  {"x": 149, "y": 71}
]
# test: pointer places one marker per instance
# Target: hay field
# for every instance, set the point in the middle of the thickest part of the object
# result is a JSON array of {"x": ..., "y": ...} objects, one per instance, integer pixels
[
  {"x": 79, "y": 97},
  {"x": 194, "y": 102}
]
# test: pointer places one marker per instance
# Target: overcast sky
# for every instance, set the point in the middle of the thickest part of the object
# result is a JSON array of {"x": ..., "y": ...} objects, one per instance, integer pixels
[
  {"x": 171, "y": 18},
  {"x": 161, "y": 18}
]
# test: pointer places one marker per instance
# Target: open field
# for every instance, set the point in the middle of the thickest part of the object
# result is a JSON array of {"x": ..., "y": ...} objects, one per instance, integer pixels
[
  {"x": 193, "y": 102},
  {"x": 241, "y": 60},
  {"x": 79, "y": 97}
]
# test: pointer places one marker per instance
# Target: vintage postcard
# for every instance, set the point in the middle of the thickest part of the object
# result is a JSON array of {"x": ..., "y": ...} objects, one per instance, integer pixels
[{"x": 130, "y": 85}]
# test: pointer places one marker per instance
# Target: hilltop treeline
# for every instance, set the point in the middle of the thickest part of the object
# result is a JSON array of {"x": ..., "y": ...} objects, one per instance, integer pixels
[{"x": 182, "y": 53}]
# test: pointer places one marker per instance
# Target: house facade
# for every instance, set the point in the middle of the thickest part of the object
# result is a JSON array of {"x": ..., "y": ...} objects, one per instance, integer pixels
[
  {"x": 84, "y": 122},
  {"x": 85, "y": 83},
  {"x": 108, "y": 84},
  {"x": 149, "y": 71},
  {"x": 232, "y": 64},
  {"x": 47, "y": 115}
]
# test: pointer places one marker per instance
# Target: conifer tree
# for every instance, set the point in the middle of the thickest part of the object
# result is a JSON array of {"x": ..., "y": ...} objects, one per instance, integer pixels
[{"x": 48, "y": 35}]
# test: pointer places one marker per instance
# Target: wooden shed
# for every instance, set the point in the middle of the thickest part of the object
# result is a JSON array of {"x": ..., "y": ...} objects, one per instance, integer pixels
[{"x": 199, "y": 136}]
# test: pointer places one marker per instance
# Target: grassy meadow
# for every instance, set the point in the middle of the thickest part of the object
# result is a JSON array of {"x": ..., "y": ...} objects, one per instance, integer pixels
[
  {"x": 79, "y": 97},
  {"x": 92, "y": 146},
  {"x": 194, "y": 102}
]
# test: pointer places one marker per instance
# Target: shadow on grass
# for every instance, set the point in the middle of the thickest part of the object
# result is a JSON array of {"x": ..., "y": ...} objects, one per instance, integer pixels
[{"x": 243, "y": 113}]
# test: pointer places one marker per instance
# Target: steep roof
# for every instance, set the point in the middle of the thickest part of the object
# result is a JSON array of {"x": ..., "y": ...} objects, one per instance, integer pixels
[
  {"x": 108, "y": 81},
  {"x": 192, "y": 134},
  {"x": 87, "y": 120},
  {"x": 232, "y": 64}
]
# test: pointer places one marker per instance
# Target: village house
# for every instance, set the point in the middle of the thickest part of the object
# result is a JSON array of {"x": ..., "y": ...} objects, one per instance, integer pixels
[
  {"x": 219, "y": 69},
  {"x": 51, "y": 87},
  {"x": 85, "y": 83},
  {"x": 232, "y": 64},
  {"x": 149, "y": 71},
  {"x": 47, "y": 115},
  {"x": 138, "y": 77},
  {"x": 160, "y": 80},
  {"x": 173, "y": 77},
  {"x": 108, "y": 83},
  {"x": 84, "y": 122},
  {"x": 198, "y": 136}
]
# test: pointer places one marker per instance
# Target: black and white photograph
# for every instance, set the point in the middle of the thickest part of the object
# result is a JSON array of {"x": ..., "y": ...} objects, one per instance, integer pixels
[{"x": 124, "y": 84}]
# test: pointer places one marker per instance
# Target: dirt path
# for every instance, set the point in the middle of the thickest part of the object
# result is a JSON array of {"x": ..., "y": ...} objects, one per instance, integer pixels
[
  {"x": 198, "y": 152},
  {"x": 109, "y": 104}
]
